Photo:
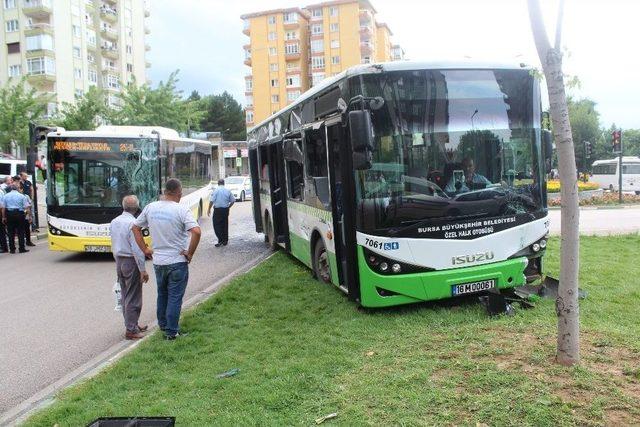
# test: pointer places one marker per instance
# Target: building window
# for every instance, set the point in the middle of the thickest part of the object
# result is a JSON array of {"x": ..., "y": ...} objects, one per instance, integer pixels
[
  {"x": 90, "y": 58},
  {"x": 334, "y": 27},
  {"x": 275, "y": 99},
  {"x": 293, "y": 95},
  {"x": 249, "y": 116},
  {"x": 249, "y": 100},
  {"x": 292, "y": 65},
  {"x": 91, "y": 37},
  {"x": 37, "y": 66},
  {"x": 272, "y": 35},
  {"x": 9, "y": 4},
  {"x": 316, "y": 78},
  {"x": 274, "y": 82},
  {"x": 12, "y": 26},
  {"x": 14, "y": 70},
  {"x": 291, "y": 35},
  {"x": 130, "y": 68},
  {"x": 273, "y": 67},
  {"x": 293, "y": 81},
  {"x": 273, "y": 51},
  {"x": 77, "y": 73},
  {"x": 366, "y": 60},
  {"x": 316, "y": 13},
  {"x": 317, "y": 62},
  {"x": 272, "y": 21},
  {"x": 129, "y": 48},
  {"x": 335, "y": 60},
  {"x": 335, "y": 44},
  {"x": 75, "y": 30},
  {"x": 248, "y": 84},
  {"x": 77, "y": 53},
  {"x": 13, "y": 47},
  {"x": 79, "y": 93},
  {"x": 93, "y": 76},
  {"x": 317, "y": 46},
  {"x": 292, "y": 49},
  {"x": 112, "y": 82},
  {"x": 88, "y": 19},
  {"x": 333, "y": 11},
  {"x": 316, "y": 29},
  {"x": 290, "y": 17}
]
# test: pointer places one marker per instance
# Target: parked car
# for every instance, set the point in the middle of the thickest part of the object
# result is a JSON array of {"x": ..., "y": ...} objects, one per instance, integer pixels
[{"x": 240, "y": 187}]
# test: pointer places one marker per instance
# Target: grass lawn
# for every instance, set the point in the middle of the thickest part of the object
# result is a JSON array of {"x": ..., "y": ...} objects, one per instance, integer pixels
[{"x": 305, "y": 351}]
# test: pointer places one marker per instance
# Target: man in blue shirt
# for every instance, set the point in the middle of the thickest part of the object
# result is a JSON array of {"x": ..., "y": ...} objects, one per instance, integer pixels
[
  {"x": 221, "y": 201},
  {"x": 15, "y": 206}
]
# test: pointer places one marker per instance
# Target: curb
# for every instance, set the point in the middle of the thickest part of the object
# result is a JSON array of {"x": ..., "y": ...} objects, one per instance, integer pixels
[
  {"x": 593, "y": 208},
  {"x": 46, "y": 396}
]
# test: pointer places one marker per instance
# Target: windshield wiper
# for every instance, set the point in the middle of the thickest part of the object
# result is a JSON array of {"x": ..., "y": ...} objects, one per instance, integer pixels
[{"x": 419, "y": 223}]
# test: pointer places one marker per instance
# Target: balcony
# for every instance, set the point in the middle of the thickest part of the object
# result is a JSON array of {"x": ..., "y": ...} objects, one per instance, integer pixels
[
  {"x": 109, "y": 14},
  {"x": 38, "y": 9},
  {"x": 37, "y": 29},
  {"x": 290, "y": 25},
  {"x": 246, "y": 28},
  {"x": 38, "y": 53},
  {"x": 147, "y": 30},
  {"x": 366, "y": 29},
  {"x": 110, "y": 51},
  {"x": 109, "y": 33},
  {"x": 147, "y": 12},
  {"x": 366, "y": 48},
  {"x": 147, "y": 64}
]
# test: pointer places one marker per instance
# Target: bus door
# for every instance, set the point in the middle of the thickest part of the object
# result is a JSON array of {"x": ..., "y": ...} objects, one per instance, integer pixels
[
  {"x": 278, "y": 194},
  {"x": 341, "y": 184}
]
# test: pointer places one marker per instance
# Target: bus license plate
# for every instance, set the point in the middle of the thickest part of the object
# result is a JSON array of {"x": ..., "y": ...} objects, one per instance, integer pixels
[
  {"x": 97, "y": 248},
  {"x": 473, "y": 287}
]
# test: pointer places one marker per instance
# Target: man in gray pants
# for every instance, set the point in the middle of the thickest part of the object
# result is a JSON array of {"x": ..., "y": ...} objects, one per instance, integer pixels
[{"x": 129, "y": 266}]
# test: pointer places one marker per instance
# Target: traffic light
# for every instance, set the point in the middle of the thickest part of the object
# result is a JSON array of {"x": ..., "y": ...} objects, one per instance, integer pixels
[
  {"x": 587, "y": 149},
  {"x": 617, "y": 141}
]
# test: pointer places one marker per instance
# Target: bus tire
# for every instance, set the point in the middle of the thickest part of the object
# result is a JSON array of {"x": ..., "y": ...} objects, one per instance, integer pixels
[
  {"x": 269, "y": 233},
  {"x": 321, "y": 268}
]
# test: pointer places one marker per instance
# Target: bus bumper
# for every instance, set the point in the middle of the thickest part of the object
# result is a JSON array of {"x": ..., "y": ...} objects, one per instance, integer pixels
[
  {"x": 378, "y": 290},
  {"x": 78, "y": 244}
]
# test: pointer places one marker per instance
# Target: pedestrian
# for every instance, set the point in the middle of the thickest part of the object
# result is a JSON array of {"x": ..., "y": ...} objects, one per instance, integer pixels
[
  {"x": 175, "y": 235},
  {"x": 130, "y": 267},
  {"x": 3, "y": 229},
  {"x": 15, "y": 205},
  {"x": 221, "y": 201},
  {"x": 28, "y": 220},
  {"x": 4, "y": 187},
  {"x": 42, "y": 165}
]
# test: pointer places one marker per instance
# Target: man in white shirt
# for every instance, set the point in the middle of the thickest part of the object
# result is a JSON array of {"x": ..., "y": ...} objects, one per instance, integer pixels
[
  {"x": 175, "y": 235},
  {"x": 129, "y": 266}
]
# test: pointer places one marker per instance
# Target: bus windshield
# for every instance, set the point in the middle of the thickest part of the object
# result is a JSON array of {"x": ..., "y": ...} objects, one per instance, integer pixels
[
  {"x": 451, "y": 144},
  {"x": 99, "y": 172}
]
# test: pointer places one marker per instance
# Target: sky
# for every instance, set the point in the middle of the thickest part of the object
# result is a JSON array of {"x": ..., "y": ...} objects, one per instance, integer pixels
[{"x": 204, "y": 39}]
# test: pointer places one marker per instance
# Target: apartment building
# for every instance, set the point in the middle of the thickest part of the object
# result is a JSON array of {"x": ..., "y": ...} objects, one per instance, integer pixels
[
  {"x": 291, "y": 50},
  {"x": 64, "y": 47}
]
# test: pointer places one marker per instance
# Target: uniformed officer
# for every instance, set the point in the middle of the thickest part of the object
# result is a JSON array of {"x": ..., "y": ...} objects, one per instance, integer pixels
[
  {"x": 15, "y": 205},
  {"x": 3, "y": 233},
  {"x": 221, "y": 201}
]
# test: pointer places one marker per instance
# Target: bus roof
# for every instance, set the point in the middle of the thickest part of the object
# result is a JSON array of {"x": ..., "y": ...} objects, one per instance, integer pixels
[
  {"x": 129, "y": 132},
  {"x": 395, "y": 66},
  {"x": 628, "y": 159}
]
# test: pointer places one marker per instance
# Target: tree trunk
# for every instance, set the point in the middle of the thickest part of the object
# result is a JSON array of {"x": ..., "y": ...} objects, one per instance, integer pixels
[{"x": 567, "y": 310}]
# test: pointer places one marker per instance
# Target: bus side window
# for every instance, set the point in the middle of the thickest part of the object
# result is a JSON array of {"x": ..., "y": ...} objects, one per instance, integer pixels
[
  {"x": 316, "y": 164},
  {"x": 295, "y": 168}
]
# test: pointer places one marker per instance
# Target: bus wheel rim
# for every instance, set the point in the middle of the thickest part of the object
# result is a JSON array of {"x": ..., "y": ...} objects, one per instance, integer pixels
[{"x": 323, "y": 267}]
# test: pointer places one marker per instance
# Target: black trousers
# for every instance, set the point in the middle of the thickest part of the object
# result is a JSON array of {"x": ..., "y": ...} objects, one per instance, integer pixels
[
  {"x": 15, "y": 226},
  {"x": 27, "y": 231},
  {"x": 3, "y": 237},
  {"x": 221, "y": 224}
]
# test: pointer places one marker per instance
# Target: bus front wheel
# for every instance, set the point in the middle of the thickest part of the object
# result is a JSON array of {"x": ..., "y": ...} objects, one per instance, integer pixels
[{"x": 321, "y": 262}]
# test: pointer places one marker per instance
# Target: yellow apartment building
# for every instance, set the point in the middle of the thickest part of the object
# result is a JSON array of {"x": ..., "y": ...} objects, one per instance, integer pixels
[{"x": 291, "y": 50}]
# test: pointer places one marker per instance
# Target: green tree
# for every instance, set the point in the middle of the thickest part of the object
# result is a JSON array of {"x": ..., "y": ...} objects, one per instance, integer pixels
[
  {"x": 585, "y": 126},
  {"x": 87, "y": 112},
  {"x": 223, "y": 113},
  {"x": 18, "y": 106},
  {"x": 162, "y": 106}
]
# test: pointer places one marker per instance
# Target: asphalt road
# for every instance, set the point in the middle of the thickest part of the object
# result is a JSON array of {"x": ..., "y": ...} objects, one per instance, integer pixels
[{"x": 57, "y": 309}]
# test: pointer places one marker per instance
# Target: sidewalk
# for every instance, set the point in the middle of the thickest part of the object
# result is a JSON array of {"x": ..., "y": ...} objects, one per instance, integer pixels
[{"x": 602, "y": 221}]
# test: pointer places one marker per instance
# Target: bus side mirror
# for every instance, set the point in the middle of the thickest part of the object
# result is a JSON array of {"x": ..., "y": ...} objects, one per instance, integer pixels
[
  {"x": 547, "y": 144},
  {"x": 360, "y": 130}
]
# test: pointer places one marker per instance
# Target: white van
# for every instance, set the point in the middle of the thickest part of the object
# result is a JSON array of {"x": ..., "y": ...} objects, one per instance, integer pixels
[
  {"x": 12, "y": 167},
  {"x": 605, "y": 173}
]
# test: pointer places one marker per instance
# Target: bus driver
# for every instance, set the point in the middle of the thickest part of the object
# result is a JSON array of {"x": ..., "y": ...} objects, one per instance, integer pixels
[{"x": 471, "y": 180}]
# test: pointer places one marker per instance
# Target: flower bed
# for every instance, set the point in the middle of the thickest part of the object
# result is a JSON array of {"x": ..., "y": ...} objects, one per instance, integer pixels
[
  {"x": 605, "y": 199},
  {"x": 553, "y": 186}
]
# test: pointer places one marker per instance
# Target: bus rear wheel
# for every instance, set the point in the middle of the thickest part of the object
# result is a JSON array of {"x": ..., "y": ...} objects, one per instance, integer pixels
[
  {"x": 321, "y": 262},
  {"x": 270, "y": 234}
]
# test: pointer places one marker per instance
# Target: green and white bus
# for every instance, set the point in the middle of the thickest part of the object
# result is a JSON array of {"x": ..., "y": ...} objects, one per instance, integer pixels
[{"x": 405, "y": 182}]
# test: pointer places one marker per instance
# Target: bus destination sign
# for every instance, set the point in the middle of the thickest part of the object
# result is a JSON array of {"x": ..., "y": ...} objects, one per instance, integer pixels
[{"x": 102, "y": 147}]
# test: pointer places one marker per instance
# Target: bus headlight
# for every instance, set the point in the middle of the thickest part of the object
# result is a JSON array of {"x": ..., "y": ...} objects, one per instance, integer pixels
[
  {"x": 535, "y": 247},
  {"x": 396, "y": 268},
  {"x": 384, "y": 266},
  {"x": 543, "y": 243},
  {"x": 388, "y": 267}
]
